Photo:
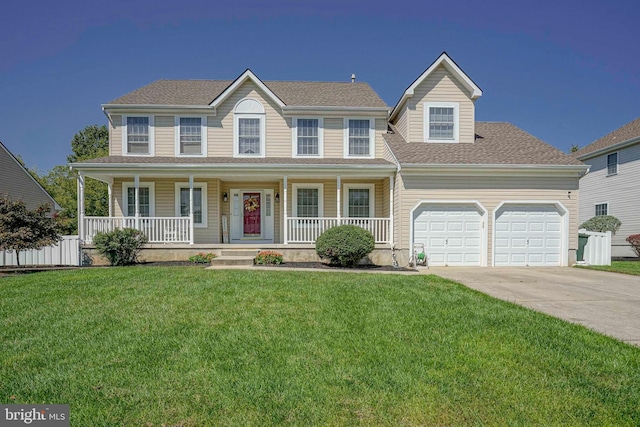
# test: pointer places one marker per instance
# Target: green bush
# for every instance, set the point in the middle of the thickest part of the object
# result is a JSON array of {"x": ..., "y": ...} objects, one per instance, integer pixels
[
  {"x": 634, "y": 241},
  {"x": 268, "y": 258},
  {"x": 602, "y": 223},
  {"x": 120, "y": 246},
  {"x": 202, "y": 258},
  {"x": 345, "y": 245}
]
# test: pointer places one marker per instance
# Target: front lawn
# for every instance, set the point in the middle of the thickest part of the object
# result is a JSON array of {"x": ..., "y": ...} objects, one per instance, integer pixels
[
  {"x": 626, "y": 267},
  {"x": 151, "y": 346}
]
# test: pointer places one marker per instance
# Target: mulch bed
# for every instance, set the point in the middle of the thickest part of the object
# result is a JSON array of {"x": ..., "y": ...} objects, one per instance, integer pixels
[{"x": 323, "y": 266}]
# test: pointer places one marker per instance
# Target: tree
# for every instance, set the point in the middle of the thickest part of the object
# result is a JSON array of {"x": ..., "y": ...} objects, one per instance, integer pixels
[
  {"x": 22, "y": 229},
  {"x": 61, "y": 183},
  {"x": 574, "y": 148},
  {"x": 602, "y": 224}
]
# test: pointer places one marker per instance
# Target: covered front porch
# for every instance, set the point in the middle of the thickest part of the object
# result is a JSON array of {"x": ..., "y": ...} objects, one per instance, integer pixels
[{"x": 258, "y": 209}]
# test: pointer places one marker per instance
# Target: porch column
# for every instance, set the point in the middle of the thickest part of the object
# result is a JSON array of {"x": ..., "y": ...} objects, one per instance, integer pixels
[
  {"x": 391, "y": 188},
  {"x": 339, "y": 186},
  {"x": 191, "y": 209},
  {"x": 81, "y": 230},
  {"x": 284, "y": 209},
  {"x": 110, "y": 194},
  {"x": 136, "y": 183}
]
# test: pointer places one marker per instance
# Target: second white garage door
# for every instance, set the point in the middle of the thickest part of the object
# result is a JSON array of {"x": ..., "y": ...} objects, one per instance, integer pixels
[
  {"x": 529, "y": 235},
  {"x": 452, "y": 235}
]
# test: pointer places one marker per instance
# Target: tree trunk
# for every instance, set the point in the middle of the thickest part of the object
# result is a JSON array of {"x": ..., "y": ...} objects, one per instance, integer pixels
[{"x": 18, "y": 258}]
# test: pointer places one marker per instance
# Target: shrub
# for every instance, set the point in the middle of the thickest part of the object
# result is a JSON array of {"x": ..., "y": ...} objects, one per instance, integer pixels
[
  {"x": 634, "y": 241},
  {"x": 202, "y": 258},
  {"x": 345, "y": 245},
  {"x": 120, "y": 246},
  {"x": 268, "y": 258},
  {"x": 602, "y": 223}
]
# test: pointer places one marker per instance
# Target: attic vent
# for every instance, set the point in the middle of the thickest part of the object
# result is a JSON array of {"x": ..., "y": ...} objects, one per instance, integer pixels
[{"x": 353, "y": 78}]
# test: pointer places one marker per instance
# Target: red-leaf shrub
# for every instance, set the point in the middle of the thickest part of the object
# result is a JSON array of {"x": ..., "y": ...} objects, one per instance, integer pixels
[{"x": 634, "y": 241}]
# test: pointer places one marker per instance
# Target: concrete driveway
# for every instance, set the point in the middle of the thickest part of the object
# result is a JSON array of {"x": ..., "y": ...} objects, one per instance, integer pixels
[{"x": 606, "y": 302}]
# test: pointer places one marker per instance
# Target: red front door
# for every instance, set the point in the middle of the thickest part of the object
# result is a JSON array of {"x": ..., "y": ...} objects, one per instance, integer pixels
[{"x": 251, "y": 205}]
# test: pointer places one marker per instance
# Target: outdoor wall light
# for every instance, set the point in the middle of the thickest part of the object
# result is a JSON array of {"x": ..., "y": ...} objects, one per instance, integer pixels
[
  {"x": 277, "y": 197},
  {"x": 225, "y": 197}
]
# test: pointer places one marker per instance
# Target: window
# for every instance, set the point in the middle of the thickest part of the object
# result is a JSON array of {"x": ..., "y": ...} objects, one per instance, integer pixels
[
  {"x": 137, "y": 135},
  {"x": 191, "y": 136},
  {"x": 307, "y": 200},
  {"x": 602, "y": 209},
  {"x": 307, "y": 137},
  {"x": 199, "y": 202},
  {"x": 249, "y": 129},
  {"x": 441, "y": 122},
  {"x": 612, "y": 164},
  {"x": 146, "y": 199},
  {"x": 359, "y": 200},
  {"x": 359, "y": 137}
]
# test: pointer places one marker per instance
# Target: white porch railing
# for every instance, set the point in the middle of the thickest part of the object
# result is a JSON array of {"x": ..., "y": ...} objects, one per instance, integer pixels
[
  {"x": 157, "y": 229},
  {"x": 307, "y": 230}
]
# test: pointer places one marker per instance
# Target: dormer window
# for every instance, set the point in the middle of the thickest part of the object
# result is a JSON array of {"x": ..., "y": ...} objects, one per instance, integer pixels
[
  {"x": 137, "y": 135},
  {"x": 359, "y": 137},
  {"x": 249, "y": 129},
  {"x": 441, "y": 121}
]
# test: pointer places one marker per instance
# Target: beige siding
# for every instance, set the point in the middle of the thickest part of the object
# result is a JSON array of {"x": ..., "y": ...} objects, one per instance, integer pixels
[
  {"x": 18, "y": 184},
  {"x": 165, "y": 140},
  {"x": 381, "y": 128},
  {"x": 401, "y": 121},
  {"x": 333, "y": 137},
  {"x": 489, "y": 192},
  {"x": 278, "y": 129},
  {"x": 440, "y": 86},
  {"x": 115, "y": 136}
]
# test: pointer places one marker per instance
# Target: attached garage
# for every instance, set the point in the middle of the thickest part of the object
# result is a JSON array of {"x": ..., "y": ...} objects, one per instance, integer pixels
[
  {"x": 531, "y": 234},
  {"x": 453, "y": 234}
]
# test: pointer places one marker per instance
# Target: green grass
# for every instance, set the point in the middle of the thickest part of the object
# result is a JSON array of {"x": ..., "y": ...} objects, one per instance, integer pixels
[
  {"x": 626, "y": 267},
  {"x": 191, "y": 347}
]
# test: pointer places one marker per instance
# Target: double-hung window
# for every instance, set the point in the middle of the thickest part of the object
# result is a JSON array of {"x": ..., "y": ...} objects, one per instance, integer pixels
[
  {"x": 199, "y": 202},
  {"x": 249, "y": 129},
  {"x": 137, "y": 135},
  {"x": 307, "y": 137},
  {"x": 145, "y": 199},
  {"x": 307, "y": 200},
  {"x": 359, "y": 201},
  {"x": 359, "y": 137},
  {"x": 191, "y": 136},
  {"x": 612, "y": 164},
  {"x": 602, "y": 209},
  {"x": 441, "y": 121}
]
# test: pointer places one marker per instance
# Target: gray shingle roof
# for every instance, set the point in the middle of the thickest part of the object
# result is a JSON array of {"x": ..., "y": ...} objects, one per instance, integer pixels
[
  {"x": 203, "y": 92},
  {"x": 625, "y": 133},
  {"x": 496, "y": 143}
]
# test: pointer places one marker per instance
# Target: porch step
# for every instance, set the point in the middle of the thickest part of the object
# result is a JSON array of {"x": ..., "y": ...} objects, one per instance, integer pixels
[
  {"x": 233, "y": 260},
  {"x": 239, "y": 252}
]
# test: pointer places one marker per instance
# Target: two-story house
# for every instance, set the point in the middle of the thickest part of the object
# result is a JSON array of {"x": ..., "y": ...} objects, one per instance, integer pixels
[
  {"x": 612, "y": 184},
  {"x": 211, "y": 164}
]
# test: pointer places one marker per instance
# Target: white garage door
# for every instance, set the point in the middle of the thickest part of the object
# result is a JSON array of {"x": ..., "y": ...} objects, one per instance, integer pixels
[
  {"x": 452, "y": 235},
  {"x": 528, "y": 236}
]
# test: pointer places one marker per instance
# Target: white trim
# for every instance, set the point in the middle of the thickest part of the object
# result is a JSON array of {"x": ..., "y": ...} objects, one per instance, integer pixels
[
  {"x": 247, "y": 75},
  {"x": 203, "y": 140},
  {"x": 474, "y": 91},
  {"x": 372, "y": 138},
  {"x": 564, "y": 212},
  {"x": 125, "y": 141},
  {"x": 617, "y": 153},
  {"x": 294, "y": 136},
  {"x": 356, "y": 186},
  {"x": 456, "y": 121},
  {"x": 294, "y": 202},
  {"x": 201, "y": 185},
  {"x": 152, "y": 197},
  {"x": 236, "y": 129},
  {"x": 595, "y": 206},
  {"x": 484, "y": 225}
]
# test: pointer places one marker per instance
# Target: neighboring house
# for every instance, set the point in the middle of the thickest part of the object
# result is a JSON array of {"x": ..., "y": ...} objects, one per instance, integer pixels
[
  {"x": 612, "y": 185},
  {"x": 212, "y": 164},
  {"x": 17, "y": 182}
]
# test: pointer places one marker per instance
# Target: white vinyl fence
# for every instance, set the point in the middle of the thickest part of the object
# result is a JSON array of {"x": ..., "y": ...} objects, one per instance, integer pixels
[
  {"x": 65, "y": 252},
  {"x": 598, "y": 249}
]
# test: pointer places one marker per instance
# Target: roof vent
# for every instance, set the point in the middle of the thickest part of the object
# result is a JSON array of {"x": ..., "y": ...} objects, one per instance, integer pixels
[{"x": 353, "y": 78}]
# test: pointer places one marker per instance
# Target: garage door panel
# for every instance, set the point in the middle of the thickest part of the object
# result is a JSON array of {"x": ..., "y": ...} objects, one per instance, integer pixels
[{"x": 528, "y": 235}]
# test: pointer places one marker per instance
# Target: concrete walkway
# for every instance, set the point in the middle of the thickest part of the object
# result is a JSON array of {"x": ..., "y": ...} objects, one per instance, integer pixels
[{"x": 606, "y": 302}]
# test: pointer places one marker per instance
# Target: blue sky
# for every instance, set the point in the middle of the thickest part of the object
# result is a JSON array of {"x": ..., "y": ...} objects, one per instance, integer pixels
[{"x": 566, "y": 71}]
